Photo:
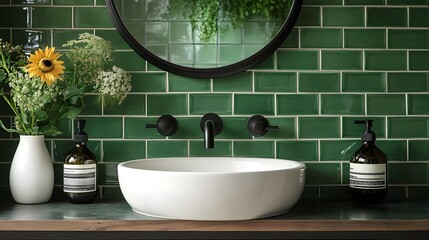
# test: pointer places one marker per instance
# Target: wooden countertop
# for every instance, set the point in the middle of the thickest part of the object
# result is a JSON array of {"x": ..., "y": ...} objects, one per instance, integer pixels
[{"x": 394, "y": 218}]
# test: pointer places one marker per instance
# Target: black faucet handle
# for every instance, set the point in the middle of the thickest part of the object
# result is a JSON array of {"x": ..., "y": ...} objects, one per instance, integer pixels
[
  {"x": 166, "y": 125},
  {"x": 257, "y": 126}
]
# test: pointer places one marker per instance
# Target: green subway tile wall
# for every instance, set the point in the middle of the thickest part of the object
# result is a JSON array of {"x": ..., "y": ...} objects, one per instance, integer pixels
[{"x": 344, "y": 60}]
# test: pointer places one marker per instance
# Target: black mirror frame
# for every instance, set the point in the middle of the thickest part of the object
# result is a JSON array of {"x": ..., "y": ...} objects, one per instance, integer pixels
[{"x": 207, "y": 73}]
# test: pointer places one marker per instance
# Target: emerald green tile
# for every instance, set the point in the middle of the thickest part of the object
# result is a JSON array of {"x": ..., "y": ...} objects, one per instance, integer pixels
[
  {"x": 49, "y": 17},
  {"x": 263, "y": 149},
  {"x": 236, "y": 83},
  {"x": 174, "y": 104},
  {"x": 310, "y": 193},
  {"x": 363, "y": 2},
  {"x": 13, "y": 17},
  {"x": 418, "y": 17},
  {"x": 134, "y": 104},
  {"x": 292, "y": 40},
  {"x": 113, "y": 37},
  {"x": 286, "y": 128},
  {"x": 386, "y": 17},
  {"x": 100, "y": 2},
  {"x": 344, "y": 16},
  {"x": 309, "y": 16},
  {"x": 407, "y": 127},
  {"x": 92, "y": 105},
  {"x": 104, "y": 127},
  {"x": 112, "y": 193},
  {"x": 60, "y": 37},
  {"x": 364, "y": 38},
  {"x": 92, "y": 17},
  {"x": 407, "y": 173},
  {"x": 407, "y": 2},
  {"x": 323, "y": 2},
  {"x": 5, "y": 194},
  {"x": 419, "y": 150},
  {"x": 395, "y": 150},
  {"x": 385, "y": 60},
  {"x": 5, "y": 109},
  {"x": 108, "y": 173},
  {"x": 321, "y": 38},
  {"x": 341, "y": 60},
  {"x": 338, "y": 150},
  {"x": 386, "y": 104},
  {"x": 183, "y": 84},
  {"x": 58, "y": 174},
  {"x": 200, "y": 104},
  {"x": 275, "y": 82},
  {"x": 352, "y": 130},
  {"x": 5, "y": 35},
  {"x": 396, "y": 193},
  {"x": 8, "y": 149},
  {"x": 335, "y": 193},
  {"x": 364, "y": 82},
  {"x": 148, "y": 82},
  {"x": 129, "y": 61},
  {"x": 297, "y": 150},
  {"x": 345, "y": 165},
  {"x": 188, "y": 128},
  {"x": 418, "y": 104},
  {"x": 343, "y": 104},
  {"x": 135, "y": 128},
  {"x": 323, "y": 173},
  {"x": 319, "y": 127},
  {"x": 407, "y": 82},
  {"x": 234, "y": 128},
  {"x": 319, "y": 82},
  {"x": 61, "y": 149},
  {"x": 221, "y": 149},
  {"x": 31, "y": 39},
  {"x": 297, "y": 104},
  {"x": 120, "y": 151},
  {"x": 297, "y": 60},
  {"x": 418, "y": 192},
  {"x": 408, "y": 39},
  {"x": 267, "y": 64},
  {"x": 254, "y": 104},
  {"x": 230, "y": 53},
  {"x": 418, "y": 60},
  {"x": 73, "y": 2},
  {"x": 6, "y": 121},
  {"x": 4, "y": 176},
  {"x": 161, "y": 149}
]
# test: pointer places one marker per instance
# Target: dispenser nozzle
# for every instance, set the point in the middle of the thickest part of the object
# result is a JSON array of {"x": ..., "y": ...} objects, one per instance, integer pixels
[{"x": 367, "y": 135}]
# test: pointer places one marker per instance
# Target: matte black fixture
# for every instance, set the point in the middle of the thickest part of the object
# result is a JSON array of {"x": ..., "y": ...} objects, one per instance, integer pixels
[
  {"x": 258, "y": 125},
  {"x": 166, "y": 125},
  {"x": 211, "y": 125}
]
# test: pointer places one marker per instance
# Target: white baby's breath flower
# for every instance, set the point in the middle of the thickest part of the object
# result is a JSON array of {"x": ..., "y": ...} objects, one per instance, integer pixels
[{"x": 113, "y": 85}]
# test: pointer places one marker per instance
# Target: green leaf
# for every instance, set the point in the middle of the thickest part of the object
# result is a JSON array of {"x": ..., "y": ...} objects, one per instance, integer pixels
[
  {"x": 41, "y": 116},
  {"x": 71, "y": 112},
  {"x": 9, "y": 130},
  {"x": 3, "y": 75},
  {"x": 50, "y": 130},
  {"x": 73, "y": 94}
]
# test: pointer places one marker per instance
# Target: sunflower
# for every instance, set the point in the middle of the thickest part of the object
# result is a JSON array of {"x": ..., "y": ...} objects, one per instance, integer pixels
[{"x": 45, "y": 64}]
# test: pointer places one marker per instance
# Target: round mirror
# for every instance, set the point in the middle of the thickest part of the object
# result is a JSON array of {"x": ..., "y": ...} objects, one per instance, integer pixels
[{"x": 204, "y": 38}]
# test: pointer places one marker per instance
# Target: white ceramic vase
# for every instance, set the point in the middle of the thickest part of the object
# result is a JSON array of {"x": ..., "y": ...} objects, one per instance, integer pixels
[{"x": 31, "y": 176}]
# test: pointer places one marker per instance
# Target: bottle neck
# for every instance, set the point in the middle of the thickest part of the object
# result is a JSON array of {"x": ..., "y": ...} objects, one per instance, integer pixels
[{"x": 369, "y": 143}]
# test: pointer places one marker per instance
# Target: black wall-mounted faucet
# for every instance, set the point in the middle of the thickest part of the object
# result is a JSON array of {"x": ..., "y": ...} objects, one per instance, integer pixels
[
  {"x": 166, "y": 125},
  {"x": 211, "y": 125},
  {"x": 258, "y": 125}
]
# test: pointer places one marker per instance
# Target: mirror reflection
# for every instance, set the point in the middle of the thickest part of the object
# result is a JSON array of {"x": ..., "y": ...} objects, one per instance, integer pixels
[{"x": 203, "y": 33}]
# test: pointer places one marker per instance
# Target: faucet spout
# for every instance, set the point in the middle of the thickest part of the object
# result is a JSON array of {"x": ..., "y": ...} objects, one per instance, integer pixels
[
  {"x": 211, "y": 125},
  {"x": 209, "y": 129}
]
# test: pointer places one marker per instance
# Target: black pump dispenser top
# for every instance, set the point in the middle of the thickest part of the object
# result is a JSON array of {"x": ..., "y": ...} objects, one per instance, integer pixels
[
  {"x": 367, "y": 135},
  {"x": 80, "y": 136}
]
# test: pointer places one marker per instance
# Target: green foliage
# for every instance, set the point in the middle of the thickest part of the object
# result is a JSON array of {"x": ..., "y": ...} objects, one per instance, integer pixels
[{"x": 205, "y": 14}]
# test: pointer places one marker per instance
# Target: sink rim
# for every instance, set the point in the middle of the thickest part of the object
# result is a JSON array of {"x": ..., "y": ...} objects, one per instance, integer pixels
[{"x": 289, "y": 165}]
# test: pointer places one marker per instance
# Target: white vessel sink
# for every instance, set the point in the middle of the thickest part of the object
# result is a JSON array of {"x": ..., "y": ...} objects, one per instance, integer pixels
[{"x": 211, "y": 188}]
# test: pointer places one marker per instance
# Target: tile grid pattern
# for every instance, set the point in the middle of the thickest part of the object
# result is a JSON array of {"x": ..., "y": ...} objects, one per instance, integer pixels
[{"x": 341, "y": 62}]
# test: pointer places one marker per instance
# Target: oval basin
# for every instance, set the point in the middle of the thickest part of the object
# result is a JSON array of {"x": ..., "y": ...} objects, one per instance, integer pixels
[{"x": 211, "y": 188}]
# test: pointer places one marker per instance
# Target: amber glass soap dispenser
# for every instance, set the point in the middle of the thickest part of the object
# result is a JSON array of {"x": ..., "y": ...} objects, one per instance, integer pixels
[
  {"x": 368, "y": 169},
  {"x": 80, "y": 170}
]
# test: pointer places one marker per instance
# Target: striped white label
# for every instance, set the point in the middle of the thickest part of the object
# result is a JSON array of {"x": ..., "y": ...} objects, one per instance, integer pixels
[
  {"x": 368, "y": 176},
  {"x": 80, "y": 178}
]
